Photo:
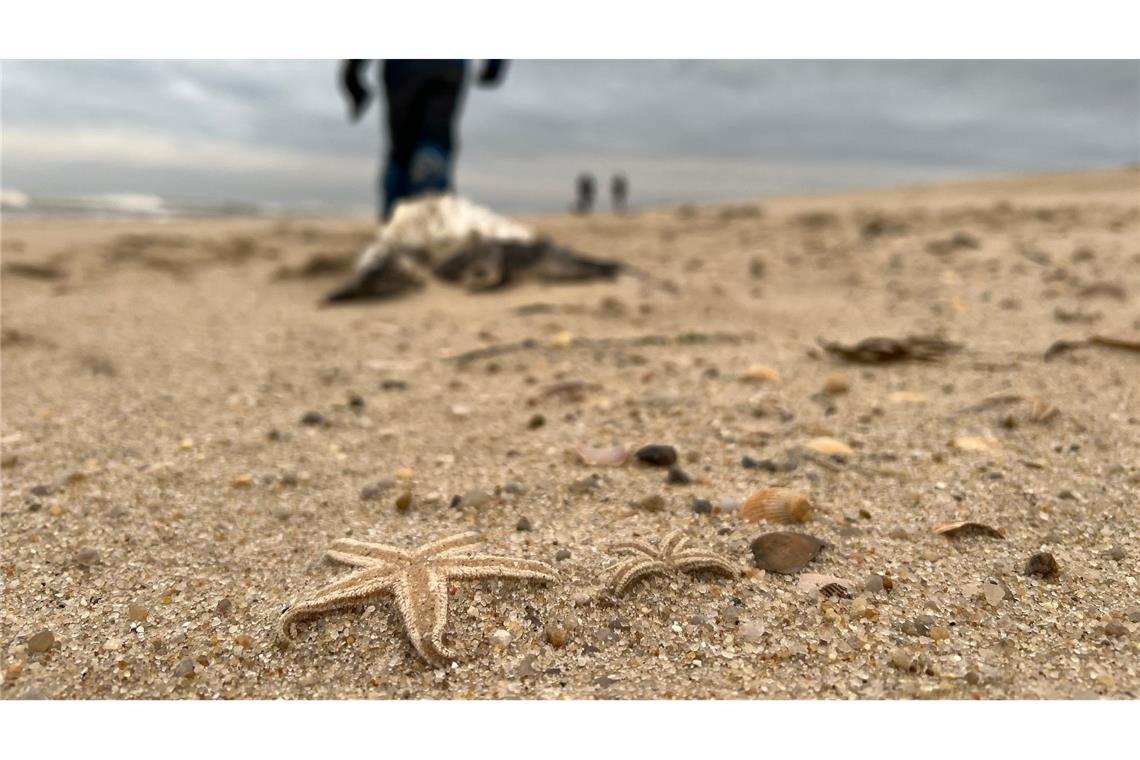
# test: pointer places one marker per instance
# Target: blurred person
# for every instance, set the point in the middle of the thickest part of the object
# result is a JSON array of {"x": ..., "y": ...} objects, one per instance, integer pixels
[
  {"x": 423, "y": 100},
  {"x": 619, "y": 192},
  {"x": 584, "y": 203}
]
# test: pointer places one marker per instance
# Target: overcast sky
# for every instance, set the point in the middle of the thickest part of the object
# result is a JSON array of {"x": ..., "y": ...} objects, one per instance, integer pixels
[{"x": 276, "y": 131}]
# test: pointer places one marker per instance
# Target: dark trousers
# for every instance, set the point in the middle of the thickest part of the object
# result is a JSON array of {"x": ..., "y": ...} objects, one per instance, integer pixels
[{"x": 423, "y": 99}]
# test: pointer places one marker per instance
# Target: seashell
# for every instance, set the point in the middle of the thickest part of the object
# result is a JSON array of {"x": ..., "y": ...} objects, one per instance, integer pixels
[
  {"x": 779, "y": 505},
  {"x": 967, "y": 529},
  {"x": 758, "y": 373},
  {"x": 784, "y": 552},
  {"x": 908, "y": 397},
  {"x": 827, "y": 585},
  {"x": 829, "y": 446},
  {"x": 975, "y": 443},
  {"x": 612, "y": 456}
]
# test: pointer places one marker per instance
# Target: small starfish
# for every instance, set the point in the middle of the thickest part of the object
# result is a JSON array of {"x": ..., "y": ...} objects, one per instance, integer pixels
[
  {"x": 417, "y": 579},
  {"x": 672, "y": 556}
]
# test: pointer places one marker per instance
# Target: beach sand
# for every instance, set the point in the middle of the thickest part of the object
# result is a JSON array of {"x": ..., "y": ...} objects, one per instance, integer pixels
[{"x": 163, "y": 501}]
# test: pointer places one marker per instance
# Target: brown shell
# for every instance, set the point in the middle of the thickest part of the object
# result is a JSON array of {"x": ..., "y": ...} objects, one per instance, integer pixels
[
  {"x": 758, "y": 373},
  {"x": 778, "y": 505},
  {"x": 968, "y": 528}
]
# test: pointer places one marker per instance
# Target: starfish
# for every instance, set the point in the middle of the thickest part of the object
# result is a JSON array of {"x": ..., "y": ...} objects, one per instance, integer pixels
[
  {"x": 417, "y": 579},
  {"x": 674, "y": 555}
]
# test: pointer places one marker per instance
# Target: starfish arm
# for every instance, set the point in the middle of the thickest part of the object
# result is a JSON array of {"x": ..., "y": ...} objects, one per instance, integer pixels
[
  {"x": 485, "y": 566},
  {"x": 350, "y": 590},
  {"x": 348, "y": 546},
  {"x": 625, "y": 573},
  {"x": 634, "y": 546},
  {"x": 674, "y": 543},
  {"x": 692, "y": 560},
  {"x": 421, "y": 597},
  {"x": 446, "y": 546},
  {"x": 359, "y": 560}
]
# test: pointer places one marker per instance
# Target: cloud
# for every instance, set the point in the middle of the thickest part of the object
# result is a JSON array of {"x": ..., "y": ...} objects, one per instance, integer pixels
[{"x": 276, "y": 130}]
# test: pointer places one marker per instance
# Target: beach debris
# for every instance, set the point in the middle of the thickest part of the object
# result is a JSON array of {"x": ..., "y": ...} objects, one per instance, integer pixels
[
  {"x": 678, "y": 477},
  {"x": 908, "y": 397},
  {"x": 967, "y": 529},
  {"x": 657, "y": 455},
  {"x": 611, "y": 456},
  {"x": 779, "y": 505},
  {"x": 672, "y": 554},
  {"x": 784, "y": 551},
  {"x": 417, "y": 578},
  {"x": 829, "y": 446},
  {"x": 1106, "y": 341},
  {"x": 1042, "y": 564},
  {"x": 879, "y": 350},
  {"x": 41, "y": 641},
  {"x": 758, "y": 373}
]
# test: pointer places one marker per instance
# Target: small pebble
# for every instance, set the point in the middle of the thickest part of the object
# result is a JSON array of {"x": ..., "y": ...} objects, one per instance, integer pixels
[
  {"x": 244, "y": 640},
  {"x": 657, "y": 455},
  {"x": 501, "y": 638},
  {"x": 939, "y": 633},
  {"x": 654, "y": 503},
  {"x": 371, "y": 492},
  {"x": 474, "y": 499},
  {"x": 873, "y": 584},
  {"x": 514, "y": 487},
  {"x": 1112, "y": 628},
  {"x": 1042, "y": 564},
  {"x": 137, "y": 613},
  {"x": 678, "y": 477},
  {"x": 901, "y": 659},
  {"x": 42, "y": 641},
  {"x": 355, "y": 402},
  {"x": 1117, "y": 553},
  {"x": 993, "y": 593},
  {"x": 184, "y": 668},
  {"x": 702, "y": 506},
  {"x": 556, "y": 635},
  {"x": 561, "y": 554},
  {"x": 312, "y": 418},
  {"x": 522, "y": 524},
  {"x": 392, "y": 384},
  {"x": 405, "y": 473},
  {"x": 224, "y": 607},
  {"x": 87, "y": 557},
  {"x": 535, "y": 422},
  {"x": 404, "y": 501},
  {"x": 835, "y": 385}
]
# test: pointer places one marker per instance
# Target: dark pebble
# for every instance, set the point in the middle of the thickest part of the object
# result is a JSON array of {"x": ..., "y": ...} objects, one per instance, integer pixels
[
  {"x": 657, "y": 455},
  {"x": 678, "y": 477},
  {"x": 522, "y": 524},
  {"x": 224, "y": 607},
  {"x": 1042, "y": 564},
  {"x": 653, "y": 503},
  {"x": 702, "y": 506},
  {"x": 393, "y": 385},
  {"x": 312, "y": 418},
  {"x": 41, "y": 491},
  {"x": 535, "y": 422},
  {"x": 87, "y": 556},
  {"x": 561, "y": 554},
  {"x": 355, "y": 402}
]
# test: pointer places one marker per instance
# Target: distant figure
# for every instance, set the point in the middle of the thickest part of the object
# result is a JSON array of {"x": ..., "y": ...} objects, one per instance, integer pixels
[
  {"x": 619, "y": 193},
  {"x": 423, "y": 99},
  {"x": 585, "y": 202}
]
